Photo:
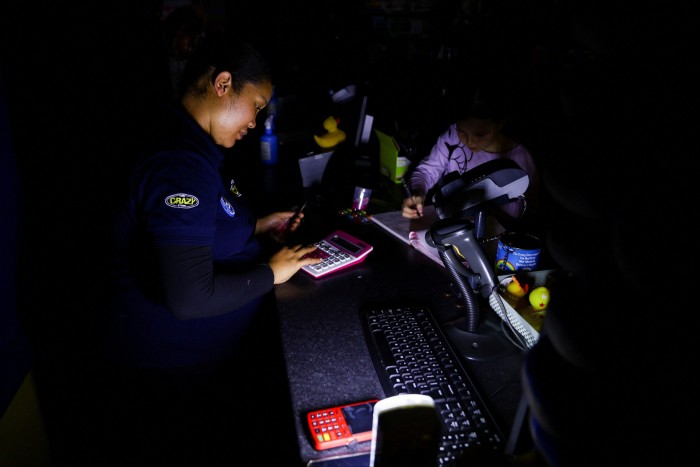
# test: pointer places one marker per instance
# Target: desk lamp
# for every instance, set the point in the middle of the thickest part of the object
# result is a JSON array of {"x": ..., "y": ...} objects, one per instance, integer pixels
[{"x": 456, "y": 237}]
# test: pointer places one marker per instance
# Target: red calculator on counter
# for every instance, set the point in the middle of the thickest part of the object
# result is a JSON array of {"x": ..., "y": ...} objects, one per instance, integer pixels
[
  {"x": 342, "y": 425},
  {"x": 337, "y": 251}
]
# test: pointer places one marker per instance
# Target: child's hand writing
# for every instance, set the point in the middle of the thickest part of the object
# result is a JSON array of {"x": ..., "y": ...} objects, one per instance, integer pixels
[{"x": 413, "y": 207}]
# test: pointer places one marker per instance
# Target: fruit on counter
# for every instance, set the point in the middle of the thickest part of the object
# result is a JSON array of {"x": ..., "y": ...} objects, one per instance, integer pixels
[
  {"x": 539, "y": 298},
  {"x": 516, "y": 289}
]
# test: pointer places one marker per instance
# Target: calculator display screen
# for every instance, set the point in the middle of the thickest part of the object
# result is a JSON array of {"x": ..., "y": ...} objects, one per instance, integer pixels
[
  {"x": 351, "y": 247},
  {"x": 359, "y": 416}
]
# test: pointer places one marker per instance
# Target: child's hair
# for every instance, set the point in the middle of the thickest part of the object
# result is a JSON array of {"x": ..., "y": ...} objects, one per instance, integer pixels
[
  {"x": 224, "y": 52},
  {"x": 482, "y": 102}
]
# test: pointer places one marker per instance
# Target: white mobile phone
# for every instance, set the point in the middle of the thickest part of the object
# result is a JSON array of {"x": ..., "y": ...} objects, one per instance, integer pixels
[{"x": 406, "y": 430}]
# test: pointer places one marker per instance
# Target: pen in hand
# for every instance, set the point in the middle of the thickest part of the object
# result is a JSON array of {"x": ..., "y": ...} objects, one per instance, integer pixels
[{"x": 409, "y": 194}]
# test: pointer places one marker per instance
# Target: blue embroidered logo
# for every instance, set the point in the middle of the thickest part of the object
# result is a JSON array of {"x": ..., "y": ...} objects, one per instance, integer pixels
[
  {"x": 181, "y": 201},
  {"x": 227, "y": 207}
]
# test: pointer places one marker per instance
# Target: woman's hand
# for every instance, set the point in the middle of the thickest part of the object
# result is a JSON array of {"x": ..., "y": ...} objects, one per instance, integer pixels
[
  {"x": 278, "y": 224},
  {"x": 288, "y": 260},
  {"x": 412, "y": 207}
]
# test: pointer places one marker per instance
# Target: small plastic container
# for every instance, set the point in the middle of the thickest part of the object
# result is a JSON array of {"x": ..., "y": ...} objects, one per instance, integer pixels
[
  {"x": 268, "y": 143},
  {"x": 517, "y": 252},
  {"x": 361, "y": 198}
]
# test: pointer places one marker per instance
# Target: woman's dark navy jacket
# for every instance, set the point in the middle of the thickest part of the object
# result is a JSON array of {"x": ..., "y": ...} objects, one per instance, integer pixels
[{"x": 187, "y": 273}]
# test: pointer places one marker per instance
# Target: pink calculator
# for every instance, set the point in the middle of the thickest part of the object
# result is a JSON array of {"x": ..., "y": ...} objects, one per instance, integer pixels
[{"x": 337, "y": 251}]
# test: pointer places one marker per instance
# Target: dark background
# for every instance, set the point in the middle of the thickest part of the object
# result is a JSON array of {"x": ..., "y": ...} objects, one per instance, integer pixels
[{"x": 600, "y": 92}]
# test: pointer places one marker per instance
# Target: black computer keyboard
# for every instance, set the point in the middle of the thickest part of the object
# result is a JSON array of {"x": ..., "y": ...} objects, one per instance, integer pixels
[{"x": 412, "y": 356}]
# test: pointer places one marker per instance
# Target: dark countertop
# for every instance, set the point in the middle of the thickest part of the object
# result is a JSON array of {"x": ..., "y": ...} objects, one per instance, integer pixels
[{"x": 326, "y": 355}]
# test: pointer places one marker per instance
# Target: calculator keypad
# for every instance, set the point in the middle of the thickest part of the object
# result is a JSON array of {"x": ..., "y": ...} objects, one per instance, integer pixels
[
  {"x": 328, "y": 426},
  {"x": 331, "y": 257},
  {"x": 336, "y": 251}
]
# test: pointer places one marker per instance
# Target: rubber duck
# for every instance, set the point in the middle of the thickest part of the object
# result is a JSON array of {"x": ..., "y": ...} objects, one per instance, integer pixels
[{"x": 333, "y": 135}]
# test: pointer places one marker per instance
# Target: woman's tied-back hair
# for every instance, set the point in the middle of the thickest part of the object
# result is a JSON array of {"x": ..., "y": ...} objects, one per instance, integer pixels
[
  {"x": 223, "y": 52},
  {"x": 183, "y": 29}
]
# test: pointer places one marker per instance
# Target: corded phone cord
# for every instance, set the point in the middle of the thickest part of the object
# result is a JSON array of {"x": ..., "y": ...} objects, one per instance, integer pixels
[
  {"x": 519, "y": 330},
  {"x": 466, "y": 292}
]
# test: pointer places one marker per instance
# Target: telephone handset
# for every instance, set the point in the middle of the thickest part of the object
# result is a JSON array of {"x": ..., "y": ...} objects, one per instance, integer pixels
[
  {"x": 456, "y": 243},
  {"x": 455, "y": 237}
]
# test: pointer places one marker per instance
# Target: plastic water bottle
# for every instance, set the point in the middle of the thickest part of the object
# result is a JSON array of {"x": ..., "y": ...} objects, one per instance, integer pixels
[
  {"x": 272, "y": 105},
  {"x": 268, "y": 143}
]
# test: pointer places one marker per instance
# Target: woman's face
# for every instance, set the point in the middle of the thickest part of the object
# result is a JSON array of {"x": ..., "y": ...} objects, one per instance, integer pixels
[
  {"x": 237, "y": 114},
  {"x": 478, "y": 134}
]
